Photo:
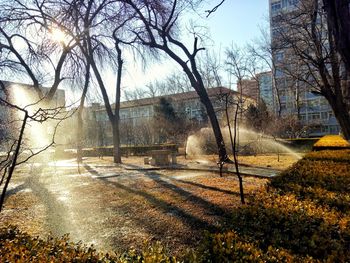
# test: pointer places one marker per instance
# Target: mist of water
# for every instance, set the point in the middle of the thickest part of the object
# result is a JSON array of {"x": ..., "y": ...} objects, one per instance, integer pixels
[
  {"x": 249, "y": 142},
  {"x": 36, "y": 134}
]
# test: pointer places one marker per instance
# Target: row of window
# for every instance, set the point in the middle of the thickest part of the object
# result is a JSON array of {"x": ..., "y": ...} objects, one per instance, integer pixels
[
  {"x": 328, "y": 129},
  {"x": 317, "y": 116},
  {"x": 278, "y": 5}
]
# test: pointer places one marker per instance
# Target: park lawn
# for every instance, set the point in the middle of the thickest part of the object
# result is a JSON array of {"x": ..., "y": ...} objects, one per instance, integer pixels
[
  {"x": 122, "y": 210},
  {"x": 300, "y": 216}
]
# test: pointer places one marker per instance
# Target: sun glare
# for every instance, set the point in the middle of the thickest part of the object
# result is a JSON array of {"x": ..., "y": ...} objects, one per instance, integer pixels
[{"x": 58, "y": 35}]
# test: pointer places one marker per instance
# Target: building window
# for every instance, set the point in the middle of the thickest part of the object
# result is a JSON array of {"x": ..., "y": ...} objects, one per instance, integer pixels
[
  {"x": 315, "y": 116},
  {"x": 285, "y": 3},
  {"x": 302, "y": 117},
  {"x": 324, "y": 115},
  {"x": 293, "y": 2},
  {"x": 333, "y": 129},
  {"x": 279, "y": 56},
  {"x": 275, "y": 7}
]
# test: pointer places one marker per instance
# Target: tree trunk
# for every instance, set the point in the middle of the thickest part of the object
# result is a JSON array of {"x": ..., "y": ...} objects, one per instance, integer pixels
[
  {"x": 116, "y": 133},
  {"x": 80, "y": 114},
  {"x": 338, "y": 16},
  {"x": 203, "y": 95},
  {"x": 343, "y": 117},
  {"x": 14, "y": 160},
  {"x": 116, "y": 143}
]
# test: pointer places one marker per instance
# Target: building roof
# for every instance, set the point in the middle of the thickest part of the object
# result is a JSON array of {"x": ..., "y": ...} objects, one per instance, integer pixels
[
  {"x": 27, "y": 86},
  {"x": 175, "y": 97}
]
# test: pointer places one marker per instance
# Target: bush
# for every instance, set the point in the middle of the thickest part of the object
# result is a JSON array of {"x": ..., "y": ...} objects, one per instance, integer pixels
[
  {"x": 303, "y": 217},
  {"x": 16, "y": 246},
  {"x": 300, "y": 144},
  {"x": 331, "y": 142}
]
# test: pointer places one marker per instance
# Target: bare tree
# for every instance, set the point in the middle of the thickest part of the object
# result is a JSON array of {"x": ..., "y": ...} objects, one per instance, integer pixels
[
  {"x": 159, "y": 30},
  {"x": 28, "y": 42},
  {"x": 230, "y": 101},
  {"x": 263, "y": 52},
  {"x": 17, "y": 152},
  {"x": 311, "y": 45}
]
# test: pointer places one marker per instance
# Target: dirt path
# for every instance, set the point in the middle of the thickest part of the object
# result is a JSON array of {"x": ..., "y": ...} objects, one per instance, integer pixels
[{"x": 115, "y": 208}]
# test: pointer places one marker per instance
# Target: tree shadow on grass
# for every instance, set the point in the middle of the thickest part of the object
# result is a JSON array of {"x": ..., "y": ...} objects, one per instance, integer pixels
[
  {"x": 55, "y": 212},
  {"x": 170, "y": 209},
  {"x": 212, "y": 188},
  {"x": 209, "y": 207}
]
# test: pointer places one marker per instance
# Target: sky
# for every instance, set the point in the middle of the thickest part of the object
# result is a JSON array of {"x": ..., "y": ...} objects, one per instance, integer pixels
[{"x": 236, "y": 22}]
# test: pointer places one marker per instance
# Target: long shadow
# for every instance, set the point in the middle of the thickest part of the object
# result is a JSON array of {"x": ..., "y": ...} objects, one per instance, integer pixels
[
  {"x": 209, "y": 207},
  {"x": 16, "y": 189},
  {"x": 55, "y": 212},
  {"x": 206, "y": 187},
  {"x": 91, "y": 170},
  {"x": 163, "y": 205}
]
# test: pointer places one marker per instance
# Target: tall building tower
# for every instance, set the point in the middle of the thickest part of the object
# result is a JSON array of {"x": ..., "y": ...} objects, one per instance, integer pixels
[{"x": 294, "y": 77}]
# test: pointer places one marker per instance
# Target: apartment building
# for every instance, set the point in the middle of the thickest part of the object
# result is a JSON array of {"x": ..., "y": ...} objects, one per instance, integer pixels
[
  {"x": 258, "y": 88},
  {"x": 295, "y": 95},
  {"x": 266, "y": 92},
  {"x": 249, "y": 87}
]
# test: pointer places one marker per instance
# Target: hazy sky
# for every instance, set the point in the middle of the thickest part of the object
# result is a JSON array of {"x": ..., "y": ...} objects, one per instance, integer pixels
[{"x": 236, "y": 22}]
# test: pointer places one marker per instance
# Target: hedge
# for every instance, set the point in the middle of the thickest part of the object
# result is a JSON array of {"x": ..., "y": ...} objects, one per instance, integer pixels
[
  {"x": 138, "y": 150},
  {"x": 332, "y": 142},
  {"x": 16, "y": 246},
  {"x": 303, "y": 215}
]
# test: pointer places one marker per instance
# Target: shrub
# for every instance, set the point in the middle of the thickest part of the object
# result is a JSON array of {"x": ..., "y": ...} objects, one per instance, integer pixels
[
  {"x": 331, "y": 142},
  {"x": 303, "y": 217},
  {"x": 330, "y": 155},
  {"x": 16, "y": 246}
]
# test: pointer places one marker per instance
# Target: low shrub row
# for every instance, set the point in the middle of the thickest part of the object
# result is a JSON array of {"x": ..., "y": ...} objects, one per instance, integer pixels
[
  {"x": 16, "y": 246},
  {"x": 138, "y": 150},
  {"x": 299, "y": 144},
  {"x": 304, "y": 216},
  {"x": 332, "y": 142}
]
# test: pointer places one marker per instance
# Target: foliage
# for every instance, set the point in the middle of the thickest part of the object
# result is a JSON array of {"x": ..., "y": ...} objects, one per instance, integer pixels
[
  {"x": 16, "y": 246},
  {"x": 331, "y": 142},
  {"x": 303, "y": 217},
  {"x": 330, "y": 155}
]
